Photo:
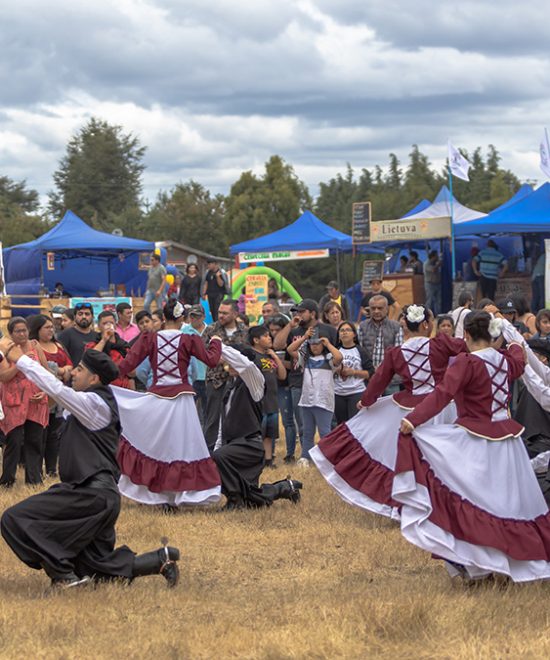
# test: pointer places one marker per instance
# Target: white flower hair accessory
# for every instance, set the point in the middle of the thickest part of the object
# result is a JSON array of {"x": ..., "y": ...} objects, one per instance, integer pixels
[
  {"x": 495, "y": 327},
  {"x": 415, "y": 314},
  {"x": 178, "y": 310}
]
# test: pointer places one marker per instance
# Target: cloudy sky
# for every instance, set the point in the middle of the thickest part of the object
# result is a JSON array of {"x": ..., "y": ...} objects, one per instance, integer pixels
[{"x": 214, "y": 88}]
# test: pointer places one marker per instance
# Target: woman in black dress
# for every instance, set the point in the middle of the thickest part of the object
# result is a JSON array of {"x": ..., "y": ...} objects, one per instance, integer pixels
[{"x": 190, "y": 289}]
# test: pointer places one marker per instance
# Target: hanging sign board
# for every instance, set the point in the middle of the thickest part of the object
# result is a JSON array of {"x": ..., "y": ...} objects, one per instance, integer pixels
[
  {"x": 281, "y": 255},
  {"x": 373, "y": 269},
  {"x": 255, "y": 296},
  {"x": 410, "y": 230},
  {"x": 360, "y": 222}
]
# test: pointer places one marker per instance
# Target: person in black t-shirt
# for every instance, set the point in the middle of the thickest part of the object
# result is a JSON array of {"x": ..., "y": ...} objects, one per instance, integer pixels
[
  {"x": 75, "y": 339},
  {"x": 273, "y": 370},
  {"x": 375, "y": 290},
  {"x": 214, "y": 286}
]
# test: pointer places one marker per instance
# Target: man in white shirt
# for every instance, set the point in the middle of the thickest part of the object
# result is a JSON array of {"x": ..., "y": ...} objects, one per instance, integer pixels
[{"x": 465, "y": 304}]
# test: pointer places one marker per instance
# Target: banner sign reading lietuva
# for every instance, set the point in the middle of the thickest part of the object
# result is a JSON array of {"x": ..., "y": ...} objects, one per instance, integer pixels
[
  {"x": 410, "y": 230},
  {"x": 281, "y": 255}
]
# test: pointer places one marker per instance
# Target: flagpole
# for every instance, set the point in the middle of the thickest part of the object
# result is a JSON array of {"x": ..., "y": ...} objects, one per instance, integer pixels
[{"x": 453, "y": 261}]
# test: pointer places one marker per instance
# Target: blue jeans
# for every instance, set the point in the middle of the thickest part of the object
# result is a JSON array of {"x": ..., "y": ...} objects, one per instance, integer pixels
[
  {"x": 149, "y": 297},
  {"x": 314, "y": 418},
  {"x": 433, "y": 297},
  {"x": 286, "y": 409}
]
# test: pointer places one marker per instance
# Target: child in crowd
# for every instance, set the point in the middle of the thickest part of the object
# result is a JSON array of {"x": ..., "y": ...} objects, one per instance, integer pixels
[
  {"x": 319, "y": 359},
  {"x": 542, "y": 323},
  {"x": 445, "y": 325}
]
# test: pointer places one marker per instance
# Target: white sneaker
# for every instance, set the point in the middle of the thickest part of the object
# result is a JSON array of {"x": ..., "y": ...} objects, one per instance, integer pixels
[{"x": 302, "y": 462}]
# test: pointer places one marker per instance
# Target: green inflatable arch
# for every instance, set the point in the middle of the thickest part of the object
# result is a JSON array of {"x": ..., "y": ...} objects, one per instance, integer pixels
[{"x": 283, "y": 283}]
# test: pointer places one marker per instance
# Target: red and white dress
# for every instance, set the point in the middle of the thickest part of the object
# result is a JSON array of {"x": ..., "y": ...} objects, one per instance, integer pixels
[
  {"x": 467, "y": 491},
  {"x": 162, "y": 454},
  {"x": 358, "y": 457}
]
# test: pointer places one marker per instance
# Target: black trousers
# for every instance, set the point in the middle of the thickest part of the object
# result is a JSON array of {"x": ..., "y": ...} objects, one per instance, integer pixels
[
  {"x": 345, "y": 407},
  {"x": 214, "y": 301},
  {"x": 68, "y": 530},
  {"x": 488, "y": 287},
  {"x": 200, "y": 389},
  {"x": 214, "y": 403},
  {"x": 52, "y": 438},
  {"x": 240, "y": 464},
  {"x": 29, "y": 436}
]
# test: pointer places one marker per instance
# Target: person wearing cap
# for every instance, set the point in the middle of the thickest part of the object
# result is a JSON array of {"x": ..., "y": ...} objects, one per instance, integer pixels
[
  {"x": 507, "y": 308},
  {"x": 305, "y": 315},
  {"x": 489, "y": 264},
  {"x": 75, "y": 339},
  {"x": 333, "y": 294},
  {"x": 56, "y": 313},
  {"x": 215, "y": 286},
  {"x": 197, "y": 368},
  {"x": 69, "y": 530}
]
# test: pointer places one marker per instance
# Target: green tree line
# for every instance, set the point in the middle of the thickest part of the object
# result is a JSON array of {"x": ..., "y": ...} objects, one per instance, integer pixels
[{"x": 99, "y": 178}]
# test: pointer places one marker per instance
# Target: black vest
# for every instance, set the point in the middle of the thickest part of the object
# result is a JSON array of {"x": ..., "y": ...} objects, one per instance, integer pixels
[
  {"x": 244, "y": 418},
  {"x": 84, "y": 453}
]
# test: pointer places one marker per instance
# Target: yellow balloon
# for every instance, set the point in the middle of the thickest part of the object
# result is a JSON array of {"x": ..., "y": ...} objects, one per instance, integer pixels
[
  {"x": 170, "y": 279},
  {"x": 157, "y": 251}
]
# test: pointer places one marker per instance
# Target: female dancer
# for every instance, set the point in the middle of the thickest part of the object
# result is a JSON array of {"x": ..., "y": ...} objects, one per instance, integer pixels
[
  {"x": 467, "y": 490},
  {"x": 162, "y": 453},
  {"x": 358, "y": 457}
]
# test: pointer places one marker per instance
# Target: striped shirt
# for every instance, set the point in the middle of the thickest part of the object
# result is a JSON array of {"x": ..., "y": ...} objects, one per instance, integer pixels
[{"x": 490, "y": 262}]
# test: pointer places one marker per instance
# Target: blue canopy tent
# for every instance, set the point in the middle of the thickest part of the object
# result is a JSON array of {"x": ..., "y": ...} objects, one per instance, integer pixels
[
  {"x": 84, "y": 260},
  {"x": 528, "y": 215}
]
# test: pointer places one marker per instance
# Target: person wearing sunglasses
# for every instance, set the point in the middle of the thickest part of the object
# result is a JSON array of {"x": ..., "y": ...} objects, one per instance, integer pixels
[{"x": 75, "y": 339}]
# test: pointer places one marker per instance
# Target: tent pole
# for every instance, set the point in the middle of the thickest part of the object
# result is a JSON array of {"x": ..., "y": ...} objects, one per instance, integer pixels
[{"x": 453, "y": 258}]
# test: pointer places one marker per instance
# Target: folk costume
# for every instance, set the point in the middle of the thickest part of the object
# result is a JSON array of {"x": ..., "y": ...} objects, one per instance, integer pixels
[
  {"x": 358, "y": 457},
  {"x": 69, "y": 530},
  {"x": 163, "y": 456},
  {"x": 467, "y": 491},
  {"x": 240, "y": 455}
]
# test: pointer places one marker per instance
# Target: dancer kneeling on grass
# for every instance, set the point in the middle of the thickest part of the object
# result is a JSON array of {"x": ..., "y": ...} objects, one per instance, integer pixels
[
  {"x": 69, "y": 530},
  {"x": 358, "y": 458},
  {"x": 240, "y": 450},
  {"x": 467, "y": 490},
  {"x": 163, "y": 455}
]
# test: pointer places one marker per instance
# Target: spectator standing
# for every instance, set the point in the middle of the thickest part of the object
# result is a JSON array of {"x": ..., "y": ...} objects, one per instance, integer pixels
[
  {"x": 284, "y": 395},
  {"x": 215, "y": 286},
  {"x": 489, "y": 264},
  {"x": 542, "y": 324},
  {"x": 332, "y": 314},
  {"x": 231, "y": 333},
  {"x": 432, "y": 282},
  {"x": 156, "y": 284},
  {"x": 334, "y": 294},
  {"x": 375, "y": 290},
  {"x": 305, "y": 316},
  {"x": 75, "y": 339},
  {"x": 190, "y": 289},
  {"x": 351, "y": 377},
  {"x": 415, "y": 263},
  {"x": 41, "y": 329},
  {"x": 319, "y": 358},
  {"x": 197, "y": 369},
  {"x": 378, "y": 333},
  {"x": 107, "y": 341},
  {"x": 124, "y": 328},
  {"x": 273, "y": 371},
  {"x": 67, "y": 321},
  {"x": 445, "y": 324},
  {"x": 57, "y": 315},
  {"x": 25, "y": 409},
  {"x": 465, "y": 304}
]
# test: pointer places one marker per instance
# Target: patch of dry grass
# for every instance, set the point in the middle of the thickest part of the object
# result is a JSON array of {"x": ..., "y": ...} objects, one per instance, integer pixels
[{"x": 320, "y": 580}]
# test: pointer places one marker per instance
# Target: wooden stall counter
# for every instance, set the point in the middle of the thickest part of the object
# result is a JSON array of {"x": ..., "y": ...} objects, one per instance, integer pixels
[{"x": 406, "y": 288}]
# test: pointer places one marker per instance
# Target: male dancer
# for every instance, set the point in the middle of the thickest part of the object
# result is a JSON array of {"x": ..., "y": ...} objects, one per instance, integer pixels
[{"x": 69, "y": 530}]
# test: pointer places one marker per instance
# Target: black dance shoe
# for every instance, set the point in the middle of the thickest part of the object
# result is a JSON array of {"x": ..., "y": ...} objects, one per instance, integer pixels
[
  {"x": 162, "y": 561},
  {"x": 71, "y": 582},
  {"x": 288, "y": 489}
]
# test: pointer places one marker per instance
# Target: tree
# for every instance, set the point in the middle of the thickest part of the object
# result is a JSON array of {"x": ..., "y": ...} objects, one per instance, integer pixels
[
  {"x": 258, "y": 205},
  {"x": 99, "y": 177},
  {"x": 19, "y": 218},
  {"x": 188, "y": 214}
]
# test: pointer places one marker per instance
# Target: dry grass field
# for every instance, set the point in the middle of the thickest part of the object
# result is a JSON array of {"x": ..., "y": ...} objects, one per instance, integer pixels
[{"x": 317, "y": 580}]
